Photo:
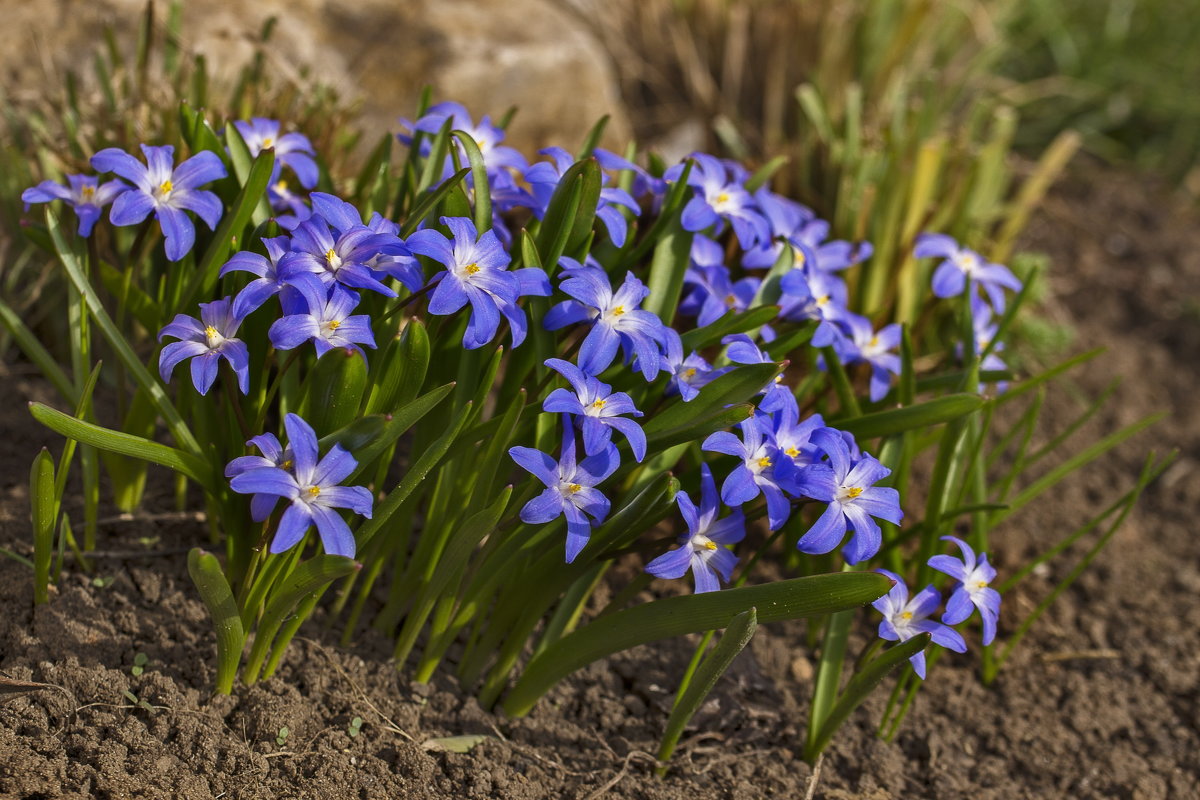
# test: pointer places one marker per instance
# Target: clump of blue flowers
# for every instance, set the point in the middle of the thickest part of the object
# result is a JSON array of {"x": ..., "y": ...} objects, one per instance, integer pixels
[{"x": 688, "y": 383}]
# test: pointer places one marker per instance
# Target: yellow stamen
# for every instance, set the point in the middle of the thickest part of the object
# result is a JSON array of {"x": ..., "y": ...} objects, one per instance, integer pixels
[
  {"x": 710, "y": 545},
  {"x": 980, "y": 584},
  {"x": 722, "y": 198},
  {"x": 267, "y": 142},
  {"x": 730, "y": 300},
  {"x": 574, "y": 487},
  {"x": 793, "y": 451},
  {"x": 281, "y": 185},
  {"x": 314, "y": 490},
  {"x": 286, "y": 464},
  {"x": 330, "y": 255},
  {"x": 618, "y": 311},
  {"x": 853, "y": 492},
  {"x": 823, "y": 299},
  {"x": 471, "y": 269},
  {"x": 764, "y": 462},
  {"x": 690, "y": 372},
  {"x": 88, "y": 192},
  {"x": 334, "y": 324},
  {"x": 165, "y": 188},
  {"x": 210, "y": 332},
  {"x": 906, "y": 615},
  {"x": 874, "y": 342},
  {"x": 598, "y": 404},
  {"x": 797, "y": 257}
]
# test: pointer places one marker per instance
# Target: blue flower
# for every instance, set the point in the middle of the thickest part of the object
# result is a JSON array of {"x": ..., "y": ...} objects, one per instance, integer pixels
[
  {"x": 973, "y": 577},
  {"x": 873, "y": 347},
  {"x": 718, "y": 197},
  {"x": 292, "y": 150},
  {"x": 847, "y": 485},
  {"x": 313, "y": 487},
  {"x": 273, "y": 455},
  {"x": 793, "y": 439},
  {"x": 702, "y": 549},
  {"x": 570, "y": 488},
  {"x": 327, "y": 322},
  {"x": 756, "y": 473},
  {"x": 786, "y": 218},
  {"x": 84, "y": 193},
  {"x": 815, "y": 295},
  {"x": 543, "y": 179},
  {"x": 477, "y": 273},
  {"x": 166, "y": 190},
  {"x": 687, "y": 374},
  {"x": 598, "y": 408},
  {"x": 961, "y": 265},
  {"x": 741, "y": 349},
  {"x": 487, "y": 136},
  {"x": 827, "y": 256},
  {"x": 712, "y": 293},
  {"x": 904, "y": 618},
  {"x": 206, "y": 341},
  {"x": 617, "y": 319},
  {"x": 334, "y": 245},
  {"x": 267, "y": 284}
]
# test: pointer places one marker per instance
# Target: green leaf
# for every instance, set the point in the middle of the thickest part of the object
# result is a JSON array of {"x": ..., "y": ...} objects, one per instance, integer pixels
[
  {"x": 737, "y": 635},
  {"x": 43, "y": 511},
  {"x": 672, "y": 255},
  {"x": 431, "y": 201},
  {"x": 736, "y": 386},
  {"x": 311, "y": 576},
  {"x": 218, "y": 598},
  {"x": 124, "y": 444},
  {"x": 404, "y": 418},
  {"x": 479, "y": 178},
  {"x": 204, "y": 280},
  {"x": 859, "y": 687},
  {"x": 731, "y": 322},
  {"x": 36, "y": 352},
  {"x": 335, "y": 389},
  {"x": 412, "y": 479},
  {"x": 674, "y": 616},
  {"x": 699, "y": 428},
  {"x": 918, "y": 417},
  {"x": 764, "y": 173},
  {"x": 593, "y": 138},
  {"x": 450, "y": 567},
  {"x": 243, "y": 163},
  {"x": 71, "y": 263}
]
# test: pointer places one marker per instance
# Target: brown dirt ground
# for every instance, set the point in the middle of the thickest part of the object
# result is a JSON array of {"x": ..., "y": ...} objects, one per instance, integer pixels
[{"x": 1100, "y": 703}]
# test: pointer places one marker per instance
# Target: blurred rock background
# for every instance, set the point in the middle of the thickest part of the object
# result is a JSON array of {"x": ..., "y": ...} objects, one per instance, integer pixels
[{"x": 376, "y": 54}]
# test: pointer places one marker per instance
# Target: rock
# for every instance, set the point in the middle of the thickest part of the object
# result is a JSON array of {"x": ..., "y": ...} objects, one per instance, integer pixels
[{"x": 487, "y": 54}]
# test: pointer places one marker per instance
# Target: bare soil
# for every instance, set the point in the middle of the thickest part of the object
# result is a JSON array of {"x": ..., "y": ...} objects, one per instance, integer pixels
[{"x": 1101, "y": 702}]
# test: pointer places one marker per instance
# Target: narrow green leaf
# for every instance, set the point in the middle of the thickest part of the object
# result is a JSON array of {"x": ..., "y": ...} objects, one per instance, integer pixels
[
  {"x": 921, "y": 416},
  {"x": 43, "y": 512},
  {"x": 482, "y": 190},
  {"x": 243, "y": 164},
  {"x": 309, "y": 577},
  {"x": 672, "y": 255},
  {"x": 736, "y": 386},
  {"x": 674, "y": 616},
  {"x": 334, "y": 390},
  {"x": 401, "y": 420},
  {"x": 36, "y": 352},
  {"x": 860, "y": 687},
  {"x": 124, "y": 444},
  {"x": 731, "y": 322},
  {"x": 765, "y": 172},
  {"x": 218, "y": 598},
  {"x": 737, "y": 635},
  {"x": 592, "y": 140},
  {"x": 431, "y": 201},
  {"x": 71, "y": 263},
  {"x": 412, "y": 479}
]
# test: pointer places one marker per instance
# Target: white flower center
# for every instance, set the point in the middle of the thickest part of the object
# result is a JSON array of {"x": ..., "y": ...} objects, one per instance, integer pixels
[
  {"x": 847, "y": 493},
  {"x": 333, "y": 260},
  {"x": 967, "y": 262},
  {"x": 213, "y": 337}
]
